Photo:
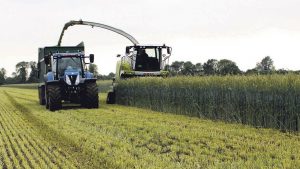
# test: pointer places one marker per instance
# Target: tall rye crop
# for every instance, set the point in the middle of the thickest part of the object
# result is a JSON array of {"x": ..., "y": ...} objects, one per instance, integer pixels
[{"x": 271, "y": 101}]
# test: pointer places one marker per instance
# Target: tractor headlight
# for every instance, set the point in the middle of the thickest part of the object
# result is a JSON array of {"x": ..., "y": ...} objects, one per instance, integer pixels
[
  {"x": 77, "y": 80},
  {"x": 68, "y": 81}
]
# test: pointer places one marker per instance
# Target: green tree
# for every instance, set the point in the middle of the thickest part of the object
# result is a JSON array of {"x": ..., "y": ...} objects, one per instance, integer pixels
[
  {"x": 210, "y": 67},
  {"x": 111, "y": 75},
  {"x": 228, "y": 67},
  {"x": 252, "y": 72},
  {"x": 176, "y": 67},
  {"x": 93, "y": 68},
  {"x": 266, "y": 65},
  {"x": 188, "y": 68},
  {"x": 167, "y": 67},
  {"x": 283, "y": 71},
  {"x": 13, "y": 79},
  {"x": 22, "y": 71},
  {"x": 198, "y": 69},
  {"x": 33, "y": 76},
  {"x": 2, "y": 76}
]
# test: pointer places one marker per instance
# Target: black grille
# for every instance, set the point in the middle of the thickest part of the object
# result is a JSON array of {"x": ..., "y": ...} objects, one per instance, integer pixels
[{"x": 72, "y": 78}]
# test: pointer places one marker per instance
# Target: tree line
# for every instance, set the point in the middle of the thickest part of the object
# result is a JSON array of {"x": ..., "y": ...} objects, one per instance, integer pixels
[
  {"x": 223, "y": 67},
  {"x": 21, "y": 75},
  {"x": 93, "y": 68},
  {"x": 27, "y": 72}
]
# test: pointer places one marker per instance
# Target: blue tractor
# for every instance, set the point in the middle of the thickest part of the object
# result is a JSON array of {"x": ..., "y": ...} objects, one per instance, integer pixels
[{"x": 65, "y": 78}]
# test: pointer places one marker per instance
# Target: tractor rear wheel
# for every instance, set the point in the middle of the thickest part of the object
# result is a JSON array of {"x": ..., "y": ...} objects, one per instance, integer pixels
[
  {"x": 54, "y": 97},
  {"x": 42, "y": 99},
  {"x": 89, "y": 95},
  {"x": 47, "y": 103},
  {"x": 111, "y": 98}
]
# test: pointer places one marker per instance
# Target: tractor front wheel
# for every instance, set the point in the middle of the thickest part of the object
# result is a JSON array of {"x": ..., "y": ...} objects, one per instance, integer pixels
[
  {"x": 54, "y": 97},
  {"x": 89, "y": 95}
]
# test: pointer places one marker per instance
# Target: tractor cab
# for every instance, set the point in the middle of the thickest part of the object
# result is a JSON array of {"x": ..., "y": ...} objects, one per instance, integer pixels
[
  {"x": 68, "y": 67},
  {"x": 144, "y": 60}
]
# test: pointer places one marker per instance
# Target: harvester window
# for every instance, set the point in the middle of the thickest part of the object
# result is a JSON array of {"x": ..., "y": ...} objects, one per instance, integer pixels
[
  {"x": 151, "y": 53},
  {"x": 147, "y": 60}
]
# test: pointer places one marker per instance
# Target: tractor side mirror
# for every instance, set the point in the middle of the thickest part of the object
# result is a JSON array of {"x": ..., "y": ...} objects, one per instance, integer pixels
[
  {"x": 47, "y": 60},
  {"x": 169, "y": 50},
  {"x": 92, "y": 58},
  {"x": 127, "y": 50}
]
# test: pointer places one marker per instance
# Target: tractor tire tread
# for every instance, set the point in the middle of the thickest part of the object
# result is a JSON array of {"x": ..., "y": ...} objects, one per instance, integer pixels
[
  {"x": 54, "y": 97},
  {"x": 89, "y": 96}
]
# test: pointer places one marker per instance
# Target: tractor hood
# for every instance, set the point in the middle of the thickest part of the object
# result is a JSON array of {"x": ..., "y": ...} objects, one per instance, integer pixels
[{"x": 72, "y": 77}]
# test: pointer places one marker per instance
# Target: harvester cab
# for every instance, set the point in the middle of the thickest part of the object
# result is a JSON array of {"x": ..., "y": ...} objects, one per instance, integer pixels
[
  {"x": 141, "y": 61},
  {"x": 66, "y": 78},
  {"x": 144, "y": 60}
]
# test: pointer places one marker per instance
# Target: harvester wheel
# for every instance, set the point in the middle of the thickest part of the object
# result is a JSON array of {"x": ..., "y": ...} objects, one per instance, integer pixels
[
  {"x": 111, "y": 98},
  {"x": 53, "y": 97},
  {"x": 89, "y": 96}
]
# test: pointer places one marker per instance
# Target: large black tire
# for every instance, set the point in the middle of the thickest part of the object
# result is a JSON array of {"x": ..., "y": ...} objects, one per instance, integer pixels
[
  {"x": 89, "y": 95},
  {"x": 111, "y": 98},
  {"x": 53, "y": 97},
  {"x": 42, "y": 99},
  {"x": 47, "y": 103}
]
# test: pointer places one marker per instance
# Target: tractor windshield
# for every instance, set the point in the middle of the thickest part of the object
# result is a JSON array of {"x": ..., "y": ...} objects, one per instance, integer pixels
[
  {"x": 68, "y": 64},
  {"x": 148, "y": 59}
]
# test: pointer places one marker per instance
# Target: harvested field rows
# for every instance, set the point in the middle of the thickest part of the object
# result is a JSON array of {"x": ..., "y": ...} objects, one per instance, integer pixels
[
  {"x": 115, "y": 136},
  {"x": 21, "y": 145}
]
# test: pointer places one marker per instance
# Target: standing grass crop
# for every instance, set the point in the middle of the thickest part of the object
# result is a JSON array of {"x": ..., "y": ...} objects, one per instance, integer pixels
[{"x": 264, "y": 101}]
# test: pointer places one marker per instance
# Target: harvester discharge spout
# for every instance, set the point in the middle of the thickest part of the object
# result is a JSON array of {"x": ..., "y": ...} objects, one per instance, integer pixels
[{"x": 94, "y": 24}]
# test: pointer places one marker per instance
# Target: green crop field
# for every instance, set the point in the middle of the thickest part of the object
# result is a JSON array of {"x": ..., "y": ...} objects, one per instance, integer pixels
[
  {"x": 271, "y": 101},
  {"x": 116, "y": 136}
]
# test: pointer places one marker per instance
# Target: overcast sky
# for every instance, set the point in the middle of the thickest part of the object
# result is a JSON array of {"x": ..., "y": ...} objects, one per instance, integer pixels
[{"x": 244, "y": 31}]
